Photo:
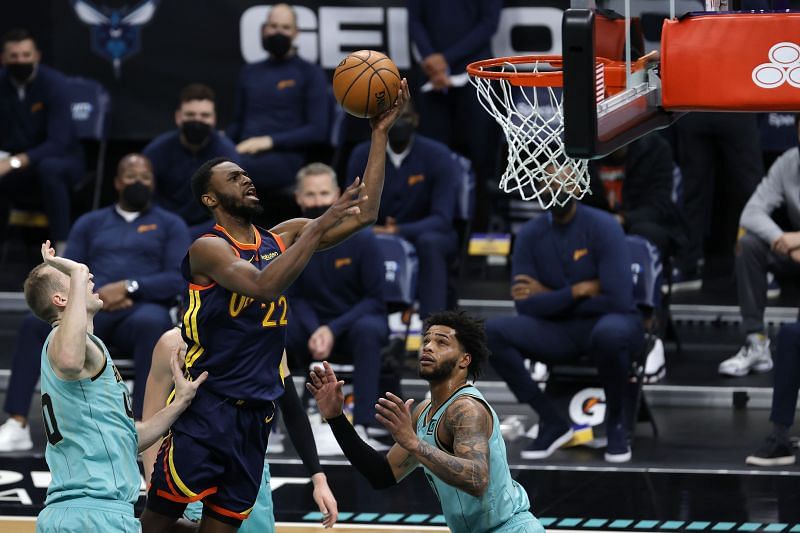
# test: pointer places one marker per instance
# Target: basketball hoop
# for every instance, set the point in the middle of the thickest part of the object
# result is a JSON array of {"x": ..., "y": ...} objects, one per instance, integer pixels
[{"x": 524, "y": 96}]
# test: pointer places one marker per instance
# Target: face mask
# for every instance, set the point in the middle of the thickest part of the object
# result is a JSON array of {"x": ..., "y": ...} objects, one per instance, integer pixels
[
  {"x": 278, "y": 44},
  {"x": 400, "y": 134},
  {"x": 315, "y": 212},
  {"x": 195, "y": 132},
  {"x": 560, "y": 211},
  {"x": 21, "y": 72},
  {"x": 136, "y": 196}
]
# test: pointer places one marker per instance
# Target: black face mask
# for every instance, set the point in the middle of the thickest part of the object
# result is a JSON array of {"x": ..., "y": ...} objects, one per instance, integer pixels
[
  {"x": 195, "y": 132},
  {"x": 400, "y": 134},
  {"x": 559, "y": 211},
  {"x": 136, "y": 196},
  {"x": 314, "y": 212},
  {"x": 21, "y": 72},
  {"x": 278, "y": 45}
]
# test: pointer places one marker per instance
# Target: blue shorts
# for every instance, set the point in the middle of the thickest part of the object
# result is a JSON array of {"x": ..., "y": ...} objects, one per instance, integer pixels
[
  {"x": 261, "y": 520},
  {"x": 79, "y": 515},
  {"x": 214, "y": 453}
]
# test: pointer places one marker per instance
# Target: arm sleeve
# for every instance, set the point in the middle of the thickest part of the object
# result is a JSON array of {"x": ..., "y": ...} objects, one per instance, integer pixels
[
  {"x": 769, "y": 195},
  {"x": 480, "y": 34},
  {"x": 523, "y": 261},
  {"x": 167, "y": 283},
  {"x": 442, "y": 202},
  {"x": 419, "y": 34},
  {"x": 234, "y": 130},
  {"x": 299, "y": 429},
  {"x": 373, "y": 465},
  {"x": 371, "y": 272},
  {"x": 59, "y": 126},
  {"x": 315, "y": 124},
  {"x": 613, "y": 271}
]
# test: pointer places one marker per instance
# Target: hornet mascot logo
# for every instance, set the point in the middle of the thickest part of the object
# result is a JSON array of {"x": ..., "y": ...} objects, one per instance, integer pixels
[{"x": 115, "y": 32}]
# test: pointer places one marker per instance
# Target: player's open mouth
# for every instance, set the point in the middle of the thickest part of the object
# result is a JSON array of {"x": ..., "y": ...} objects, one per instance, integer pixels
[
  {"x": 251, "y": 193},
  {"x": 426, "y": 360}
]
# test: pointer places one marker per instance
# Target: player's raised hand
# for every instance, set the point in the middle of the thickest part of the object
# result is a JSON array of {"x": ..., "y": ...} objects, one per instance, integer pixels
[
  {"x": 67, "y": 266},
  {"x": 327, "y": 390},
  {"x": 346, "y": 205},
  {"x": 185, "y": 390},
  {"x": 395, "y": 415},
  {"x": 384, "y": 121}
]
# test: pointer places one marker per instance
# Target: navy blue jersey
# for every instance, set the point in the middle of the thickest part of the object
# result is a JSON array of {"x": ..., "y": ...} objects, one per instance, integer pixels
[{"x": 239, "y": 341}]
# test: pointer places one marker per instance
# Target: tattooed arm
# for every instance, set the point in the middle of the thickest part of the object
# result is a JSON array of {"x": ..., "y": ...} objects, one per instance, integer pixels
[{"x": 467, "y": 425}]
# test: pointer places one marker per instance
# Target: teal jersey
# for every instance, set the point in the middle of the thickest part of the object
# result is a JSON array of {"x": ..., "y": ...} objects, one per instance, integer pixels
[
  {"x": 91, "y": 437},
  {"x": 504, "y": 502}
]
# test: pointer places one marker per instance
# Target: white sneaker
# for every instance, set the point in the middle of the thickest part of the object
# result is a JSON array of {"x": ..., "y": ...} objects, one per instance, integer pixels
[
  {"x": 655, "y": 368},
  {"x": 14, "y": 437},
  {"x": 753, "y": 356},
  {"x": 376, "y": 445},
  {"x": 539, "y": 372}
]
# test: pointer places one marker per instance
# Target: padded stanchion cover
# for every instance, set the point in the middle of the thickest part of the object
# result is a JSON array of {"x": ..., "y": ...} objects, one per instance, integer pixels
[{"x": 731, "y": 62}]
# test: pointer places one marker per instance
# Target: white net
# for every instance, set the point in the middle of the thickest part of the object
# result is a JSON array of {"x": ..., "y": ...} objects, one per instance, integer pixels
[{"x": 532, "y": 119}]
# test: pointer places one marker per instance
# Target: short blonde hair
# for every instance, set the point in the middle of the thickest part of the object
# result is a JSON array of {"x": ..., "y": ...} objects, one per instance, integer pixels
[
  {"x": 316, "y": 169},
  {"x": 39, "y": 287}
]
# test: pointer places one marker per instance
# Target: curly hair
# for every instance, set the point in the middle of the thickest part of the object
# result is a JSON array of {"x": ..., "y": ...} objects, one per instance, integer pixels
[{"x": 470, "y": 334}]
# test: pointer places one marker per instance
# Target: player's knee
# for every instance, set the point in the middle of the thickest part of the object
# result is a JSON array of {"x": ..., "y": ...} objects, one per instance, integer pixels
[
  {"x": 613, "y": 333},
  {"x": 152, "y": 319},
  {"x": 749, "y": 244}
]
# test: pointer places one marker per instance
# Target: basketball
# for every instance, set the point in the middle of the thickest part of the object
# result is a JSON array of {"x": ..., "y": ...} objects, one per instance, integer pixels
[{"x": 366, "y": 83}]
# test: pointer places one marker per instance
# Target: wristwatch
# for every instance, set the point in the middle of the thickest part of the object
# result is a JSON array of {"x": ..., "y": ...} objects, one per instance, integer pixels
[
  {"x": 15, "y": 162},
  {"x": 131, "y": 286}
]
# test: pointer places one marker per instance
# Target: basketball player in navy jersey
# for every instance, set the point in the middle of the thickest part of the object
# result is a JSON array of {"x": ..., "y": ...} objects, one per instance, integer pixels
[{"x": 234, "y": 328}]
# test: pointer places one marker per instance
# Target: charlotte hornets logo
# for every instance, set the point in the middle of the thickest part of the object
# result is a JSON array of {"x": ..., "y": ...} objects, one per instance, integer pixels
[{"x": 115, "y": 32}]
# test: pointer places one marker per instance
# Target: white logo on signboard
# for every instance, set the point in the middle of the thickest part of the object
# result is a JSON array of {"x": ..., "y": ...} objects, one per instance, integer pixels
[
  {"x": 588, "y": 406},
  {"x": 784, "y": 67}
]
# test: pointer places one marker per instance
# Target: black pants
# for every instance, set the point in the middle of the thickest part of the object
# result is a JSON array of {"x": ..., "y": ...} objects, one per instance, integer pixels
[
  {"x": 786, "y": 375},
  {"x": 717, "y": 151}
]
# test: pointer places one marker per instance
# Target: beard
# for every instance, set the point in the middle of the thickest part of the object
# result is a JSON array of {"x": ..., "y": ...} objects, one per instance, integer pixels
[
  {"x": 439, "y": 372},
  {"x": 235, "y": 207}
]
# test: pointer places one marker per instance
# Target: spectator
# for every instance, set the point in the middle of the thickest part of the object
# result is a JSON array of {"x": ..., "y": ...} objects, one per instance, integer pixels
[
  {"x": 337, "y": 301},
  {"x": 177, "y": 154},
  {"x": 777, "y": 449},
  {"x": 134, "y": 251},
  {"x": 449, "y": 35},
  {"x": 765, "y": 247},
  {"x": 281, "y": 106},
  {"x": 634, "y": 183},
  {"x": 572, "y": 288},
  {"x": 39, "y": 151},
  {"x": 418, "y": 202},
  {"x": 719, "y": 153}
]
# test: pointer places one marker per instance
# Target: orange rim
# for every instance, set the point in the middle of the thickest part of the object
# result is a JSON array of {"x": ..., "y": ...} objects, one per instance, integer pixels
[{"x": 614, "y": 70}]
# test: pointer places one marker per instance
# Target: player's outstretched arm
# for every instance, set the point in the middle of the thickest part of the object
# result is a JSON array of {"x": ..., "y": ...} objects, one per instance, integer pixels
[
  {"x": 373, "y": 178},
  {"x": 382, "y": 471},
  {"x": 299, "y": 429},
  {"x": 151, "y": 430},
  {"x": 470, "y": 425},
  {"x": 159, "y": 385},
  {"x": 213, "y": 259},
  {"x": 67, "y": 349}
]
